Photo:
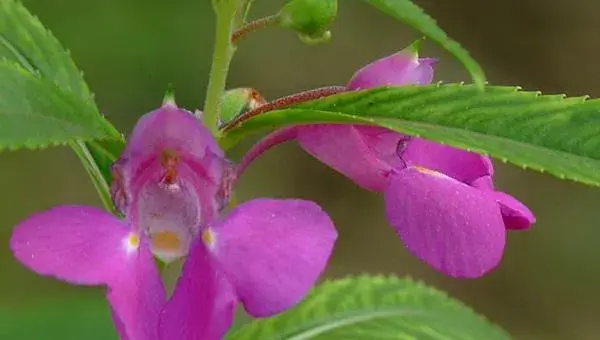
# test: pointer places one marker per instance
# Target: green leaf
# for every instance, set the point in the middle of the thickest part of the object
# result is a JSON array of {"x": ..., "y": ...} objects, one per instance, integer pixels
[
  {"x": 36, "y": 113},
  {"x": 409, "y": 13},
  {"x": 84, "y": 318},
  {"x": 543, "y": 132},
  {"x": 373, "y": 308},
  {"x": 24, "y": 40}
]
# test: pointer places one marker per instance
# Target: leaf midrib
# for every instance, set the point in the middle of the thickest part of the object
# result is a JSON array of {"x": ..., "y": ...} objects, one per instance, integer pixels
[
  {"x": 372, "y": 120},
  {"x": 329, "y": 324},
  {"x": 20, "y": 57}
]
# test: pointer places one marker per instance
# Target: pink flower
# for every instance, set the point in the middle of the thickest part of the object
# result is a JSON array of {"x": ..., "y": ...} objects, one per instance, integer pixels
[
  {"x": 439, "y": 200},
  {"x": 171, "y": 184}
]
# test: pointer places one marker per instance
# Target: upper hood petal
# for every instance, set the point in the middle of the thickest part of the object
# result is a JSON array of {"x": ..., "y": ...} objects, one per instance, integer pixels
[{"x": 166, "y": 138}]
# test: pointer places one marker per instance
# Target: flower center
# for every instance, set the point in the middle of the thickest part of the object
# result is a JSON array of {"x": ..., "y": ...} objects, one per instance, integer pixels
[
  {"x": 170, "y": 218},
  {"x": 168, "y": 210},
  {"x": 165, "y": 241}
]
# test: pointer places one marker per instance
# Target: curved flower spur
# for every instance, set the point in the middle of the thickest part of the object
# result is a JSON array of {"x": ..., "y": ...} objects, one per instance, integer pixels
[
  {"x": 171, "y": 184},
  {"x": 440, "y": 200}
]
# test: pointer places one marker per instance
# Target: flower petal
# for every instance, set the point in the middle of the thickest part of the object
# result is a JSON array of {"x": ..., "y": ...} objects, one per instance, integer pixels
[
  {"x": 461, "y": 165},
  {"x": 202, "y": 304},
  {"x": 85, "y": 245},
  {"x": 344, "y": 148},
  {"x": 173, "y": 128},
  {"x": 166, "y": 138},
  {"x": 514, "y": 213},
  {"x": 120, "y": 327},
  {"x": 77, "y": 244},
  {"x": 456, "y": 229},
  {"x": 485, "y": 183},
  {"x": 137, "y": 296},
  {"x": 402, "y": 68},
  {"x": 272, "y": 251},
  {"x": 386, "y": 144}
]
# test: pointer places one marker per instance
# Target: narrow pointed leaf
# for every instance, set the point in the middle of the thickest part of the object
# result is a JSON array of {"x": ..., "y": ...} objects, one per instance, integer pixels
[
  {"x": 373, "y": 308},
  {"x": 548, "y": 133},
  {"x": 409, "y": 13}
]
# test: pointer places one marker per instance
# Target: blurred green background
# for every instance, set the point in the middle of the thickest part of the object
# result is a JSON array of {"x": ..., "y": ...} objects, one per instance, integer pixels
[{"x": 130, "y": 50}]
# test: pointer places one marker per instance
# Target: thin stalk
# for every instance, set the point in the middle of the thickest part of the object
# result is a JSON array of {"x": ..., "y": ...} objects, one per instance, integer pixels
[
  {"x": 222, "y": 54},
  {"x": 254, "y": 26},
  {"x": 91, "y": 168}
]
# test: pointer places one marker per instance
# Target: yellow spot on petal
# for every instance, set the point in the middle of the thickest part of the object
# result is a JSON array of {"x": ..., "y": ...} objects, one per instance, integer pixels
[
  {"x": 132, "y": 242},
  {"x": 208, "y": 237},
  {"x": 166, "y": 240},
  {"x": 427, "y": 171}
]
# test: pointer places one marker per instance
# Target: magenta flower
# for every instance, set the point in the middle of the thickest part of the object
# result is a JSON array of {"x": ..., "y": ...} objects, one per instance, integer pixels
[
  {"x": 440, "y": 200},
  {"x": 170, "y": 184}
]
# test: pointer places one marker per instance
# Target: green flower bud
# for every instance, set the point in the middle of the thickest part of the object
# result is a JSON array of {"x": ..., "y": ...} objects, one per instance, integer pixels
[
  {"x": 310, "y": 18},
  {"x": 238, "y": 101}
]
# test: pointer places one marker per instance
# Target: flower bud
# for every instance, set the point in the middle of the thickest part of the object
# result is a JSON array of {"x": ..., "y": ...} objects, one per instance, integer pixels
[
  {"x": 238, "y": 101},
  {"x": 401, "y": 68},
  {"x": 310, "y": 18}
]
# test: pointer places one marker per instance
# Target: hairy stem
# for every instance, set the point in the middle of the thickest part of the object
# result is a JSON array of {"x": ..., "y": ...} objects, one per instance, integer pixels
[
  {"x": 284, "y": 102},
  {"x": 253, "y": 26}
]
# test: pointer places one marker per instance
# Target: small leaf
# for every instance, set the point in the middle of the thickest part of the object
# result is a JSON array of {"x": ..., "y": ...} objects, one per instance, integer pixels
[
  {"x": 409, "y": 13},
  {"x": 373, "y": 308},
  {"x": 542, "y": 132},
  {"x": 36, "y": 113}
]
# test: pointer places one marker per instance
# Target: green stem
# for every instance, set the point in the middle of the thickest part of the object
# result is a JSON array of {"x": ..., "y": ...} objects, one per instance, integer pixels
[
  {"x": 91, "y": 168},
  {"x": 222, "y": 55}
]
